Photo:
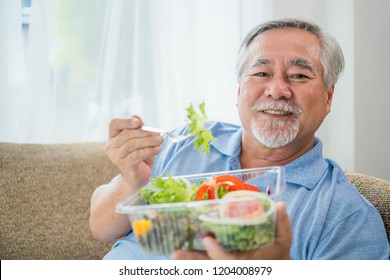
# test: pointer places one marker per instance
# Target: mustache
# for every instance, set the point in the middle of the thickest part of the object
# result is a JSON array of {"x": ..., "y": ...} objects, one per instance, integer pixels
[{"x": 278, "y": 105}]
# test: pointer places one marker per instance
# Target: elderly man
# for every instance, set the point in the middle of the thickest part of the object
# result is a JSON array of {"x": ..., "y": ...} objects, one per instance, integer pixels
[{"x": 287, "y": 70}]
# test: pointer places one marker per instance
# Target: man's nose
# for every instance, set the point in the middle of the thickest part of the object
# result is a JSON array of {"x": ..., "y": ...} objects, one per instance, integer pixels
[{"x": 278, "y": 88}]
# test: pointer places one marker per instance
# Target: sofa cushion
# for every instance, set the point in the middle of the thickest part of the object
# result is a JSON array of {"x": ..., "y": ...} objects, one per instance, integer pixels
[{"x": 45, "y": 192}]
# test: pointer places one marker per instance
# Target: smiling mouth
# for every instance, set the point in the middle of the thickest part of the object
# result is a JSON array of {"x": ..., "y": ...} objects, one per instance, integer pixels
[{"x": 277, "y": 112}]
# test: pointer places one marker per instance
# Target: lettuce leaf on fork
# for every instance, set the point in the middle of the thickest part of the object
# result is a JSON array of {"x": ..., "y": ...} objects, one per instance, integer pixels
[{"x": 196, "y": 122}]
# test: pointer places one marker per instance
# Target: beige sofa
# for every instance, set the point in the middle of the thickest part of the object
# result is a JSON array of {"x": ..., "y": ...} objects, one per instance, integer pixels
[{"x": 45, "y": 193}]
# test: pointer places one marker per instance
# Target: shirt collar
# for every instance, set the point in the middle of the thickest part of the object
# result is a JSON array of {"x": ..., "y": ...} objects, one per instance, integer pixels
[
  {"x": 306, "y": 170},
  {"x": 229, "y": 143}
]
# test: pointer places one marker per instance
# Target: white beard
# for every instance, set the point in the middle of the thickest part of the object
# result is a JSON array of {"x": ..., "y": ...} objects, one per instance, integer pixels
[{"x": 275, "y": 133}]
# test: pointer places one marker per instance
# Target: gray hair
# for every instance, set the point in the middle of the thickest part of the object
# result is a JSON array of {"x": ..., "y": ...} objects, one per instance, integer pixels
[{"x": 332, "y": 58}]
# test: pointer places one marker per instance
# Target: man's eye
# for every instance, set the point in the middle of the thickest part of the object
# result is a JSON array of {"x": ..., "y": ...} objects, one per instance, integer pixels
[
  {"x": 298, "y": 76},
  {"x": 261, "y": 74}
]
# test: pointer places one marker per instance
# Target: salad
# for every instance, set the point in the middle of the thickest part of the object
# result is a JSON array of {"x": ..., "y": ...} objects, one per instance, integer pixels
[
  {"x": 218, "y": 186},
  {"x": 243, "y": 224},
  {"x": 237, "y": 214},
  {"x": 196, "y": 122}
]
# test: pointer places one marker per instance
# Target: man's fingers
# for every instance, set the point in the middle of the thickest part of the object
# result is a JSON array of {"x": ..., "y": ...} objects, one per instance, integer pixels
[
  {"x": 188, "y": 255},
  {"x": 135, "y": 150},
  {"x": 135, "y": 137},
  {"x": 117, "y": 125},
  {"x": 139, "y": 155},
  {"x": 214, "y": 250},
  {"x": 283, "y": 225}
]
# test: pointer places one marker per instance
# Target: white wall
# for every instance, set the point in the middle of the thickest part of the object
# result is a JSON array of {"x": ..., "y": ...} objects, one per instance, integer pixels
[
  {"x": 372, "y": 91},
  {"x": 356, "y": 132}
]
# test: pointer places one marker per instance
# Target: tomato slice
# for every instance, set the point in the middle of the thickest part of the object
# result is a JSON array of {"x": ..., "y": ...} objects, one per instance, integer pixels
[
  {"x": 229, "y": 183},
  {"x": 201, "y": 193},
  {"x": 205, "y": 191},
  {"x": 235, "y": 182},
  {"x": 248, "y": 210},
  {"x": 228, "y": 178},
  {"x": 244, "y": 210}
]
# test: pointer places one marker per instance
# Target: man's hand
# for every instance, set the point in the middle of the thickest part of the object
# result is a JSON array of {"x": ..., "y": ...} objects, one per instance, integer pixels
[
  {"x": 280, "y": 250},
  {"x": 132, "y": 150}
]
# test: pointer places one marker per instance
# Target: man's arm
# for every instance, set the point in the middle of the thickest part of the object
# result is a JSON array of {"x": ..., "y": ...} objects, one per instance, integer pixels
[{"x": 132, "y": 151}]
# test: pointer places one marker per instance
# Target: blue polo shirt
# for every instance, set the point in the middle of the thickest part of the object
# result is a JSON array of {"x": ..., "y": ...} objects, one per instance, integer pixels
[{"x": 330, "y": 219}]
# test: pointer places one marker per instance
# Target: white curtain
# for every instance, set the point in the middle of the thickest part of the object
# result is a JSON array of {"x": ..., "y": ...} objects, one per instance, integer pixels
[
  {"x": 89, "y": 61},
  {"x": 11, "y": 64}
]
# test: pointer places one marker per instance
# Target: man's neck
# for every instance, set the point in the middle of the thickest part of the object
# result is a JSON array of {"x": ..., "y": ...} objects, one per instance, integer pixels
[{"x": 253, "y": 154}]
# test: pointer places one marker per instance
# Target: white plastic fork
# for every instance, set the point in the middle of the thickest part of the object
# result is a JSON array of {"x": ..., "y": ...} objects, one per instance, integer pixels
[{"x": 174, "y": 138}]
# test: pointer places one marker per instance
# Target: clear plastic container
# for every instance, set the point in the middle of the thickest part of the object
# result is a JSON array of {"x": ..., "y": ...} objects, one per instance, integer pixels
[{"x": 238, "y": 222}]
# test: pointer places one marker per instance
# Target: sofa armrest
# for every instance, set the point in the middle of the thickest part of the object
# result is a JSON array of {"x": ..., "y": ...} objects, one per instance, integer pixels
[{"x": 377, "y": 191}]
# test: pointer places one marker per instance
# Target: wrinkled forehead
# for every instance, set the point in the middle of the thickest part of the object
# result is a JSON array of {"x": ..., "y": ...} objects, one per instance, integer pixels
[
  {"x": 290, "y": 45},
  {"x": 293, "y": 40}
]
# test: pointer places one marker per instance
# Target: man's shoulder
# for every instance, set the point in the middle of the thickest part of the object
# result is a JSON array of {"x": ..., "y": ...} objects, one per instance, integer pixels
[{"x": 344, "y": 189}]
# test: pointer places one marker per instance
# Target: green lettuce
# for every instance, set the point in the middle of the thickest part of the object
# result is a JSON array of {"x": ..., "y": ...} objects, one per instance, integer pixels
[
  {"x": 168, "y": 190},
  {"x": 241, "y": 237},
  {"x": 196, "y": 122}
]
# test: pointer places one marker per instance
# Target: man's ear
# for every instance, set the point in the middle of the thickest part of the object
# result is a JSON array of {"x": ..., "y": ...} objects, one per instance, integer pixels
[
  {"x": 238, "y": 95},
  {"x": 330, "y": 98}
]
